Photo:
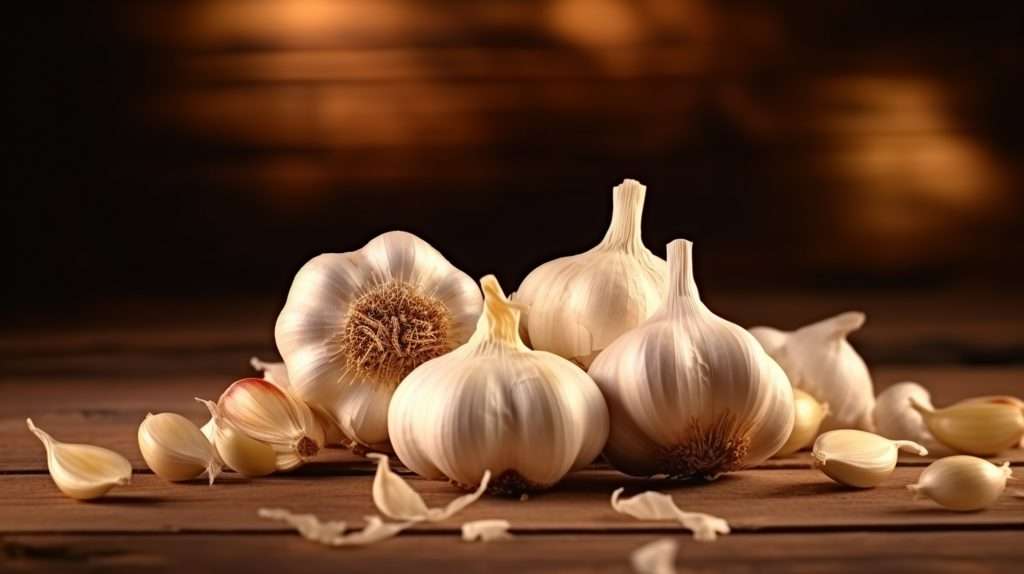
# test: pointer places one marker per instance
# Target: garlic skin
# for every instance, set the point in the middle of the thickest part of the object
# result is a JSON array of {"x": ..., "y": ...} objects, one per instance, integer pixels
[
  {"x": 818, "y": 359},
  {"x": 240, "y": 452},
  {"x": 962, "y": 483},
  {"x": 576, "y": 306},
  {"x": 808, "y": 414},
  {"x": 857, "y": 458},
  {"x": 82, "y": 471},
  {"x": 896, "y": 419},
  {"x": 175, "y": 449},
  {"x": 691, "y": 394},
  {"x": 978, "y": 428},
  {"x": 356, "y": 323},
  {"x": 493, "y": 404},
  {"x": 265, "y": 412}
]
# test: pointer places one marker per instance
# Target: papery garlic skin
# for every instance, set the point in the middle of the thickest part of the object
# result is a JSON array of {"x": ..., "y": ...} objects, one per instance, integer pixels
[
  {"x": 689, "y": 393},
  {"x": 240, "y": 452},
  {"x": 82, "y": 471},
  {"x": 978, "y": 428},
  {"x": 962, "y": 483},
  {"x": 857, "y": 458},
  {"x": 818, "y": 359},
  {"x": 896, "y": 419},
  {"x": 576, "y": 306},
  {"x": 175, "y": 449},
  {"x": 356, "y": 323},
  {"x": 808, "y": 414},
  {"x": 493, "y": 404}
]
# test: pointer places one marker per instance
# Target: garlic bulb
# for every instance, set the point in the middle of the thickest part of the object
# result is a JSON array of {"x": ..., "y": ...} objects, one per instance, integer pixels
[
  {"x": 858, "y": 458},
  {"x": 691, "y": 394},
  {"x": 808, "y": 414},
  {"x": 493, "y": 404},
  {"x": 355, "y": 324},
  {"x": 576, "y": 306},
  {"x": 175, "y": 449},
  {"x": 242, "y": 453},
  {"x": 818, "y": 359},
  {"x": 979, "y": 428},
  {"x": 895, "y": 418},
  {"x": 962, "y": 482},
  {"x": 82, "y": 471},
  {"x": 268, "y": 414}
]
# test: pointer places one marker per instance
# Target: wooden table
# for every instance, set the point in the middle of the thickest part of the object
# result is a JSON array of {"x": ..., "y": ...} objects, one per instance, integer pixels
[{"x": 93, "y": 380}]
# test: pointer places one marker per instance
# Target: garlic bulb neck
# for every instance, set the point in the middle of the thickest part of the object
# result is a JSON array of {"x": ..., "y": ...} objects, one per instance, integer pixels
[
  {"x": 838, "y": 327},
  {"x": 498, "y": 326},
  {"x": 627, "y": 211},
  {"x": 682, "y": 287}
]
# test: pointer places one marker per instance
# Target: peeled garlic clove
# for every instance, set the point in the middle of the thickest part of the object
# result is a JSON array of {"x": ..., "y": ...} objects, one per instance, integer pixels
[
  {"x": 650, "y": 505},
  {"x": 277, "y": 373},
  {"x": 979, "y": 428},
  {"x": 658, "y": 557},
  {"x": 82, "y": 471},
  {"x": 396, "y": 499},
  {"x": 486, "y": 530},
  {"x": 818, "y": 359},
  {"x": 858, "y": 458},
  {"x": 807, "y": 419},
  {"x": 576, "y": 306},
  {"x": 271, "y": 415},
  {"x": 962, "y": 482},
  {"x": 896, "y": 419},
  {"x": 175, "y": 449},
  {"x": 240, "y": 452}
]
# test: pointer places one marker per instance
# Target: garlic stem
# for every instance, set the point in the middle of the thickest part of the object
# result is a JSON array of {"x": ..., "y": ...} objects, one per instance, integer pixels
[
  {"x": 682, "y": 287},
  {"x": 627, "y": 212},
  {"x": 499, "y": 323}
]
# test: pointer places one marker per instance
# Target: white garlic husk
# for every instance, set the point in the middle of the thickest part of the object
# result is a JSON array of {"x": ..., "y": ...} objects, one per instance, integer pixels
[
  {"x": 962, "y": 483},
  {"x": 858, "y": 458},
  {"x": 980, "y": 428},
  {"x": 82, "y": 471},
  {"x": 808, "y": 414},
  {"x": 265, "y": 412},
  {"x": 896, "y": 419},
  {"x": 818, "y": 359},
  {"x": 240, "y": 452},
  {"x": 689, "y": 393},
  {"x": 493, "y": 404},
  {"x": 576, "y": 306},
  {"x": 356, "y": 323},
  {"x": 175, "y": 449}
]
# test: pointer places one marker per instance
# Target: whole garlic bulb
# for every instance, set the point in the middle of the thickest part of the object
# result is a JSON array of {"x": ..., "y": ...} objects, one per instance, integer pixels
[
  {"x": 493, "y": 404},
  {"x": 691, "y": 394},
  {"x": 895, "y": 418},
  {"x": 355, "y": 324},
  {"x": 818, "y": 359},
  {"x": 576, "y": 306},
  {"x": 962, "y": 482}
]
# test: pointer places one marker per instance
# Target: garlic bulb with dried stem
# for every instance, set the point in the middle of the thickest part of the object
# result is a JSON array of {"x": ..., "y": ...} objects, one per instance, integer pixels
[
  {"x": 493, "y": 404},
  {"x": 355, "y": 324},
  {"x": 82, "y": 471},
  {"x": 691, "y": 394},
  {"x": 576, "y": 306},
  {"x": 962, "y": 483}
]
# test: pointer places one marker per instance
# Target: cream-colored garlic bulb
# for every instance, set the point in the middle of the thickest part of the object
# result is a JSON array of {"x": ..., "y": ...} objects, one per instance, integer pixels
[
  {"x": 691, "y": 394},
  {"x": 808, "y": 414},
  {"x": 82, "y": 471},
  {"x": 962, "y": 482},
  {"x": 818, "y": 359},
  {"x": 979, "y": 428},
  {"x": 493, "y": 404},
  {"x": 896, "y": 419},
  {"x": 858, "y": 458},
  {"x": 175, "y": 449},
  {"x": 355, "y": 324},
  {"x": 576, "y": 306},
  {"x": 240, "y": 452}
]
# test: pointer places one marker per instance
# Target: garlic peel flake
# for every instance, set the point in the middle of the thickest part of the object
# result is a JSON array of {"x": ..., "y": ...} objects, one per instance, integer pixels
[
  {"x": 656, "y": 557},
  {"x": 486, "y": 530},
  {"x": 82, "y": 471},
  {"x": 333, "y": 533},
  {"x": 652, "y": 505},
  {"x": 397, "y": 500}
]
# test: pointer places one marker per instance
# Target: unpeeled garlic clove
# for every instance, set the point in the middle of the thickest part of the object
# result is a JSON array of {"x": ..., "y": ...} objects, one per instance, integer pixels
[
  {"x": 82, "y": 471},
  {"x": 859, "y": 458},
  {"x": 277, "y": 373},
  {"x": 242, "y": 453},
  {"x": 962, "y": 482},
  {"x": 808, "y": 414},
  {"x": 895, "y": 417},
  {"x": 978, "y": 428},
  {"x": 175, "y": 449}
]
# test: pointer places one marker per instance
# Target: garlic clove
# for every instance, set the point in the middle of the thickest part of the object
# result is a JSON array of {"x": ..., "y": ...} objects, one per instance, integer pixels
[
  {"x": 658, "y": 557},
  {"x": 896, "y": 419},
  {"x": 277, "y": 373},
  {"x": 858, "y": 458},
  {"x": 652, "y": 505},
  {"x": 396, "y": 499},
  {"x": 962, "y": 482},
  {"x": 978, "y": 428},
  {"x": 332, "y": 533},
  {"x": 808, "y": 416},
  {"x": 240, "y": 452},
  {"x": 175, "y": 449},
  {"x": 486, "y": 530},
  {"x": 82, "y": 471}
]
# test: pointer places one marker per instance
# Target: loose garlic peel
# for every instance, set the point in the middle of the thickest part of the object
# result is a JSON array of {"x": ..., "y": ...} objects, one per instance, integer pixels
[
  {"x": 962, "y": 482},
  {"x": 397, "y": 500},
  {"x": 240, "y": 452},
  {"x": 978, "y": 428},
  {"x": 652, "y": 505},
  {"x": 807, "y": 420},
  {"x": 896, "y": 419},
  {"x": 576, "y": 306},
  {"x": 82, "y": 471},
  {"x": 333, "y": 533},
  {"x": 858, "y": 458},
  {"x": 658, "y": 557},
  {"x": 175, "y": 449},
  {"x": 277, "y": 373},
  {"x": 691, "y": 394},
  {"x": 486, "y": 530}
]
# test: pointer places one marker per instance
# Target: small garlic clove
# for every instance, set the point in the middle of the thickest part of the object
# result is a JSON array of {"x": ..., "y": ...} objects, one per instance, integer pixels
[
  {"x": 175, "y": 449},
  {"x": 486, "y": 530},
  {"x": 82, "y": 471},
  {"x": 652, "y": 505},
  {"x": 962, "y": 483},
  {"x": 332, "y": 533},
  {"x": 858, "y": 458},
  {"x": 895, "y": 417},
  {"x": 978, "y": 428},
  {"x": 240, "y": 452},
  {"x": 807, "y": 420},
  {"x": 396, "y": 499},
  {"x": 658, "y": 557},
  {"x": 277, "y": 373}
]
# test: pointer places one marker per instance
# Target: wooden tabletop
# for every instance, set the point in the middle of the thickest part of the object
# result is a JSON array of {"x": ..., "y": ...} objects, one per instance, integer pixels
[{"x": 94, "y": 381}]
